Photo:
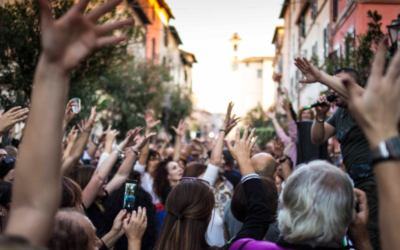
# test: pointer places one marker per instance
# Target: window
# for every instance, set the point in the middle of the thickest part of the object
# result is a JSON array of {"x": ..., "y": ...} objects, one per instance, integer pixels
[
  {"x": 303, "y": 26},
  {"x": 335, "y": 10},
  {"x": 315, "y": 50},
  {"x": 259, "y": 73},
  {"x": 247, "y": 64},
  {"x": 291, "y": 88},
  {"x": 326, "y": 42},
  {"x": 235, "y": 47},
  {"x": 164, "y": 62},
  {"x": 154, "y": 48},
  {"x": 297, "y": 79},
  {"x": 166, "y": 30},
  {"x": 314, "y": 9},
  {"x": 186, "y": 76}
]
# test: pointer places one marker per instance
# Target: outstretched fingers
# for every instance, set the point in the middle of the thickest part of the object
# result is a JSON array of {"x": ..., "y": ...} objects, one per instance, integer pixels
[
  {"x": 106, "y": 29},
  {"x": 109, "y": 40},
  {"x": 45, "y": 9}
]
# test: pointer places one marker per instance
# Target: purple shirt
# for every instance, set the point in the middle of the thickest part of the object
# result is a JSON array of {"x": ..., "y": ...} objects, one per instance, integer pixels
[{"x": 292, "y": 139}]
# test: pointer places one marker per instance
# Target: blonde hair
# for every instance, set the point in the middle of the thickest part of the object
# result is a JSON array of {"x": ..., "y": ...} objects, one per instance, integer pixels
[
  {"x": 299, "y": 112},
  {"x": 318, "y": 202}
]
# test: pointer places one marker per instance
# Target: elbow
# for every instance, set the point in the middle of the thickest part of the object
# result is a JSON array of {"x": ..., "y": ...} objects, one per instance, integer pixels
[{"x": 316, "y": 141}]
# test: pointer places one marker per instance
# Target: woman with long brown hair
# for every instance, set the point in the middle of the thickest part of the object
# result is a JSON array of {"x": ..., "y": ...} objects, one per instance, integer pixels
[{"x": 190, "y": 204}]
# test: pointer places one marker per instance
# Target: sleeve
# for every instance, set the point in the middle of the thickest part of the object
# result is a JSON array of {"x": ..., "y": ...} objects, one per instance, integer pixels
[
  {"x": 285, "y": 139},
  {"x": 140, "y": 168},
  {"x": 211, "y": 174},
  {"x": 103, "y": 157},
  {"x": 332, "y": 120},
  {"x": 257, "y": 222},
  {"x": 292, "y": 131},
  {"x": 86, "y": 156}
]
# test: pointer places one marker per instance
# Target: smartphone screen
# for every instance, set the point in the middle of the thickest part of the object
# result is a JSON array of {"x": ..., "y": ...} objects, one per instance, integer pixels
[{"x": 130, "y": 195}]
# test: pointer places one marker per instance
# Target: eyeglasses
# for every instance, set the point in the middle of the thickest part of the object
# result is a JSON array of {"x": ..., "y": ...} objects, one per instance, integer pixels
[
  {"x": 197, "y": 179},
  {"x": 9, "y": 160}
]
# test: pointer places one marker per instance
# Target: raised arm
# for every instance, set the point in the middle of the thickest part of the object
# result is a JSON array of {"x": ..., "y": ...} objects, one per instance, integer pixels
[
  {"x": 94, "y": 145},
  {"x": 12, "y": 117},
  {"x": 281, "y": 133},
  {"x": 313, "y": 75},
  {"x": 164, "y": 145},
  {"x": 126, "y": 167},
  {"x": 80, "y": 144},
  {"x": 68, "y": 115},
  {"x": 278, "y": 151},
  {"x": 150, "y": 124},
  {"x": 376, "y": 112},
  {"x": 216, "y": 154},
  {"x": 180, "y": 133},
  {"x": 73, "y": 134},
  {"x": 65, "y": 42},
  {"x": 320, "y": 130},
  {"x": 256, "y": 224}
]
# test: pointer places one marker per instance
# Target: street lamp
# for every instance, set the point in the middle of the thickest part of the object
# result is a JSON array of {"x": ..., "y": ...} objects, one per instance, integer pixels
[{"x": 394, "y": 34}]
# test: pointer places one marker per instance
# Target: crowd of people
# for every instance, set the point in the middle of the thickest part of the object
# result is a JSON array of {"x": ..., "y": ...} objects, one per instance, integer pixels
[{"x": 66, "y": 191}]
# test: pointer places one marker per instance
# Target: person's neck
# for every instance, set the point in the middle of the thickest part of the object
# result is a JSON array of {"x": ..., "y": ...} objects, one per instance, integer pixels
[
  {"x": 218, "y": 181},
  {"x": 172, "y": 183},
  {"x": 228, "y": 168}
]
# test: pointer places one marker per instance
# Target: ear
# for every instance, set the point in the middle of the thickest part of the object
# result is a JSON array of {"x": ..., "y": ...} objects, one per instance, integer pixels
[{"x": 3, "y": 211}]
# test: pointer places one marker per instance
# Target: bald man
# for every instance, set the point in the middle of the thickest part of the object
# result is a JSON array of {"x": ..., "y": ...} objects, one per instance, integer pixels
[{"x": 265, "y": 165}]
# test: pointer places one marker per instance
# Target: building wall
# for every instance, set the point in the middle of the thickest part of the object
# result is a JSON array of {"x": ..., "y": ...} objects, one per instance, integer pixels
[
  {"x": 251, "y": 86},
  {"x": 268, "y": 85}
]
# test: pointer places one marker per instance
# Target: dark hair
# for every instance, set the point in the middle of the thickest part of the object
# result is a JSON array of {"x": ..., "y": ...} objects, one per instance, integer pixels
[
  {"x": 152, "y": 154},
  {"x": 114, "y": 205},
  {"x": 194, "y": 169},
  {"x": 83, "y": 175},
  {"x": 290, "y": 162},
  {"x": 229, "y": 161},
  {"x": 160, "y": 178},
  {"x": 188, "y": 210},
  {"x": 71, "y": 194},
  {"x": 5, "y": 197},
  {"x": 239, "y": 203},
  {"x": 115, "y": 168},
  {"x": 6, "y": 165},
  {"x": 68, "y": 232},
  {"x": 351, "y": 72}
]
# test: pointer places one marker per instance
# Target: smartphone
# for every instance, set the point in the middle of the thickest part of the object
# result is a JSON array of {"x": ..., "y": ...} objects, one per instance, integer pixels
[
  {"x": 130, "y": 195},
  {"x": 77, "y": 108}
]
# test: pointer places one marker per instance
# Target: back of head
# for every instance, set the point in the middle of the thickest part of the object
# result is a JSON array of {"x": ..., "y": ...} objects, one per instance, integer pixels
[
  {"x": 194, "y": 169},
  {"x": 17, "y": 243},
  {"x": 239, "y": 203},
  {"x": 6, "y": 165},
  {"x": 68, "y": 232},
  {"x": 114, "y": 205},
  {"x": 318, "y": 202},
  {"x": 11, "y": 151},
  {"x": 264, "y": 164},
  {"x": 71, "y": 194},
  {"x": 5, "y": 194},
  {"x": 351, "y": 72},
  {"x": 83, "y": 175},
  {"x": 188, "y": 211},
  {"x": 228, "y": 158}
]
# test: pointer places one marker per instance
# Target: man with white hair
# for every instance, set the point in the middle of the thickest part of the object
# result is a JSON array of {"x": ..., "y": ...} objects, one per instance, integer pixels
[{"x": 318, "y": 207}]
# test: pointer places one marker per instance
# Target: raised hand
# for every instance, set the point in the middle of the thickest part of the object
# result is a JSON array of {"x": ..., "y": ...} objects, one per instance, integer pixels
[
  {"x": 278, "y": 147},
  {"x": 230, "y": 121},
  {"x": 118, "y": 224},
  {"x": 132, "y": 136},
  {"x": 182, "y": 127},
  {"x": 73, "y": 134},
  {"x": 150, "y": 123},
  {"x": 69, "y": 115},
  {"x": 11, "y": 117},
  {"x": 142, "y": 141},
  {"x": 311, "y": 73},
  {"x": 166, "y": 138},
  {"x": 271, "y": 114},
  {"x": 135, "y": 225},
  {"x": 241, "y": 151},
  {"x": 69, "y": 39},
  {"x": 111, "y": 134},
  {"x": 376, "y": 109}
]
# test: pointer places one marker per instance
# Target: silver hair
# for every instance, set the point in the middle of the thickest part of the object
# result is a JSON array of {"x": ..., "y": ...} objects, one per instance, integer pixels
[{"x": 318, "y": 203}]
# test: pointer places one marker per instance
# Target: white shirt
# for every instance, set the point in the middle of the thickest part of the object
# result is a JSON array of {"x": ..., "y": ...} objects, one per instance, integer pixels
[
  {"x": 147, "y": 181},
  {"x": 215, "y": 231}
]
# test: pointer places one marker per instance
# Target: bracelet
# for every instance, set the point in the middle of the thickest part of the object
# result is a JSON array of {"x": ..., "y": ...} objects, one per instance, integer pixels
[
  {"x": 319, "y": 120},
  {"x": 222, "y": 130},
  {"x": 96, "y": 142},
  {"x": 136, "y": 152},
  {"x": 283, "y": 160},
  {"x": 86, "y": 131},
  {"x": 118, "y": 151}
]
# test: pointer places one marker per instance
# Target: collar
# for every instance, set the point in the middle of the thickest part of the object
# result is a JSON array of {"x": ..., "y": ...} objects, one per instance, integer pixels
[{"x": 332, "y": 246}]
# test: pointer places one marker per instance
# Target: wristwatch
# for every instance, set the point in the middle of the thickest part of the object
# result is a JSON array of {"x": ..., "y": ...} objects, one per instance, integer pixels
[
  {"x": 283, "y": 160},
  {"x": 134, "y": 151},
  {"x": 387, "y": 150},
  {"x": 96, "y": 142}
]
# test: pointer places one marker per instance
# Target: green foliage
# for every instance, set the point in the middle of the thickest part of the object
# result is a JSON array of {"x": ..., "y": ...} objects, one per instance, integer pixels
[
  {"x": 111, "y": 79},
  {"x": 265, "y": 128},
  {"x": 358, "y": 51}
]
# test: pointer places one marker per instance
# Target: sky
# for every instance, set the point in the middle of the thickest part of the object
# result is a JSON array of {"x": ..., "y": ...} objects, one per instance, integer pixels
[{"x": 205, "y": 27}]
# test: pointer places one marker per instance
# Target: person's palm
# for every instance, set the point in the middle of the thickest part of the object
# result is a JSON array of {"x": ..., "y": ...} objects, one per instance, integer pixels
[
  {"x": 69, "y": 39},
  {"x": 148, "y": 117},
  {"x": 271, "y": 115},
  {"x": 311, "y": 73}
]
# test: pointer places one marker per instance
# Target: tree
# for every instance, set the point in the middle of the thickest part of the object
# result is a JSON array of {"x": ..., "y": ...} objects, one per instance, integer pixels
[
  {"x": 264, "y": 126},
  {"x": 110, "y": 78},
  {"x": 358, "y": 51}
]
